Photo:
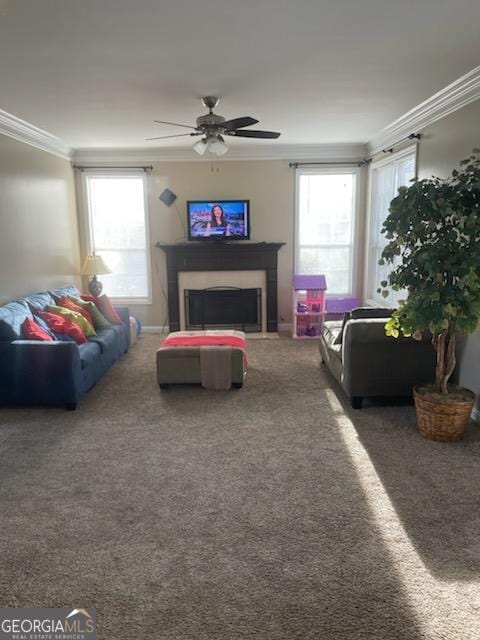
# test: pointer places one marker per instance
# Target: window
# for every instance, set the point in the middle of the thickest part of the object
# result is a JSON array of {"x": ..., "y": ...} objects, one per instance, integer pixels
[
  {"x": 386, "y": 177},
  {"x": 118, "y": 232},
  {"x": 325, "y": 221}
]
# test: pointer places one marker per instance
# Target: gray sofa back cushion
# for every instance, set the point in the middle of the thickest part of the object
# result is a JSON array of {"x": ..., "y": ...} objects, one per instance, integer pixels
[
  {"x": 370, "y": 312},
  {"x": 66, "y": 290},
  {"x": 363, "y": 313},
  {"x": 12, "y": 316},
  {"x": 39, "y": 300}
]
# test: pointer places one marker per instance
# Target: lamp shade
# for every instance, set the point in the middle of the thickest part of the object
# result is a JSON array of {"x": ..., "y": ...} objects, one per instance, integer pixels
[{"x": 94, "y": 265}]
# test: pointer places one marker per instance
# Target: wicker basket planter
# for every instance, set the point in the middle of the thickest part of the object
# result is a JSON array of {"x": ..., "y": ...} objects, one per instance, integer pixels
[{"x": 442, "y": 421}]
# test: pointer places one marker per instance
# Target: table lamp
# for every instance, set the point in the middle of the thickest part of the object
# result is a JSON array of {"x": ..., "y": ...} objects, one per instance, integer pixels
[{"x": 93, "y": 266}]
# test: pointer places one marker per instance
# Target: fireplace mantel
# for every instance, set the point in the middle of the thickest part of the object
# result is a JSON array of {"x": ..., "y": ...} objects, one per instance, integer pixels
[{"x": 221, "y": 256}]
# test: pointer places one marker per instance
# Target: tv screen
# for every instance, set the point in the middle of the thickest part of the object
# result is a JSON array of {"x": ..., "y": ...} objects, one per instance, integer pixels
[{"x": 218, "y": 219}]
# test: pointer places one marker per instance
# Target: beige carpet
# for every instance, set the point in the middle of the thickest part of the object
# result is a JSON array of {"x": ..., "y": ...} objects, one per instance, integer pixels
[{"x": 274, "y": 512}]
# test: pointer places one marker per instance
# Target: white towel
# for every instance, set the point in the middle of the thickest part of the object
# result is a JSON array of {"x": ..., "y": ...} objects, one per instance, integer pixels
[{"x": 216, "y": 367}]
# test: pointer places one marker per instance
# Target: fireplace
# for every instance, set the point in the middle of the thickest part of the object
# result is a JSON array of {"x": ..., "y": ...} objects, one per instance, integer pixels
[
  {"x": 223, "y": 308},
  {"x": 221, "y": 257}
]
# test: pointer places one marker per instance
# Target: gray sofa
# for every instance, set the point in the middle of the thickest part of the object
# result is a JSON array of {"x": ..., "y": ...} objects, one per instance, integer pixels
[{"x": 367, "y": 363}]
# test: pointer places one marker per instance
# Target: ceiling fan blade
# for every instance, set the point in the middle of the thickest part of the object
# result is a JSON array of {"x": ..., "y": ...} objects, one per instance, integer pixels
[
  {"x": 237, "y": 123},
  {"x": 175, "y": 124},
  {"x": 175, "y": 135},
  {"x": 251, "y": 133}
]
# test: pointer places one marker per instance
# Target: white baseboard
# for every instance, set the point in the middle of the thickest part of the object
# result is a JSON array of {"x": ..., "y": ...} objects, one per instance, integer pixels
[
  {"x": 153, "y": 329},
  {"x": 285, "y": 327}
]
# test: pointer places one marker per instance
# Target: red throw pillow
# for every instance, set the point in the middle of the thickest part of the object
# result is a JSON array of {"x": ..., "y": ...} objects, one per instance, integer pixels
[
  {"x": 59, "y": 324},
  {"x": 105, "y": 307},
  {"x": 68, "y": 304},
  {"x": 32, "y": 331}
]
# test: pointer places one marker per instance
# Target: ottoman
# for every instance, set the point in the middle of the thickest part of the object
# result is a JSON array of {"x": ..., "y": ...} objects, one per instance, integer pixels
[{"x": 214, "y": 359}]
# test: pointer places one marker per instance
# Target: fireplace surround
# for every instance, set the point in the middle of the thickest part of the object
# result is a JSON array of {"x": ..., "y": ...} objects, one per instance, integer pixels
[{"x": 216, "y": 256}]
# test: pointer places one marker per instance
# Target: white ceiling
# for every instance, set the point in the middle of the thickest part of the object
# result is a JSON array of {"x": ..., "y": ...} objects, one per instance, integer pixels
[{"x": 96, "y": 73}]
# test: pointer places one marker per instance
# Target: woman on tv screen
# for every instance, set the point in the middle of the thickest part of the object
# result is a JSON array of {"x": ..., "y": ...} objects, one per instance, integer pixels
[{"x": 218, "y": 224}]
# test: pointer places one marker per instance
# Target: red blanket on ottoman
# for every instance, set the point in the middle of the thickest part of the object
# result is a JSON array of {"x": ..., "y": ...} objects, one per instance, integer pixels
[{"x": 220, "y": 340}]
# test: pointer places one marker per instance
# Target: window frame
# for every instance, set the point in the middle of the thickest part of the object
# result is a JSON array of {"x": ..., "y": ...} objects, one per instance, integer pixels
[
  {"x": 332, "y": 169},
  {"x": 381, "y": 162},
  {"x": 116, "y": 174}
]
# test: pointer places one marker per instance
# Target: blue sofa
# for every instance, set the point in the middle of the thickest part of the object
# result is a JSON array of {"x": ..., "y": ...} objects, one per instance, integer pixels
[{"x": 53, "y": 373}]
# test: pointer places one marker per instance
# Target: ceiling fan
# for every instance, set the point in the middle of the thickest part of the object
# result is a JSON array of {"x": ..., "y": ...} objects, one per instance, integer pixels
[{"x": 213, "y": 127}]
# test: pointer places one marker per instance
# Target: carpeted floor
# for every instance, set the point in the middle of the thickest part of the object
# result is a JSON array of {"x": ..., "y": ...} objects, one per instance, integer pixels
[{"x": 272, "y": 512}]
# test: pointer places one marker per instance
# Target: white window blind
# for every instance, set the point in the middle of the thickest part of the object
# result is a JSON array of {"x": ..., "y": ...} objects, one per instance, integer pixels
[
  {"x": 386, "y": 177},
  {"x": 325, "y": 220},
  {"x": 117, "y": 220}
]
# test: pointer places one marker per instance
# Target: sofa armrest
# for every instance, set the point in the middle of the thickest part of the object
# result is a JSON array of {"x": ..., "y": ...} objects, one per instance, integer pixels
[
  {"x": 124, "y": 313},
  {"x": 33, "y": 372},
  {"x": 375, "y": 364}
]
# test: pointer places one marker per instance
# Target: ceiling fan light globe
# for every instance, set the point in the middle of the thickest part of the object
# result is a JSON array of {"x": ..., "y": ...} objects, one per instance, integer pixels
[
  {"x": 200, "y": 147},
  {"x": 218, "y": 147}
]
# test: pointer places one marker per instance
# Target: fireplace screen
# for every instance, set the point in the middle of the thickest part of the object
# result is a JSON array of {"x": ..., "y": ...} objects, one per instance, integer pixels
[{"x": 223, "y": 308}]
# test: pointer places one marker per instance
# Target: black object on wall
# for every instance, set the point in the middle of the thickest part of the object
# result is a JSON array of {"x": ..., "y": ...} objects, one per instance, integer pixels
[{"x": 167, "y": 197}]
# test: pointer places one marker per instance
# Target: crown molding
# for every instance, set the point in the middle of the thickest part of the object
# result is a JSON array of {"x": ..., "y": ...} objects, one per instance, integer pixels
[
  {"x": 18, "y": 129},
  {"x": 245, "y": 152},
  {"x": 454, "y": 96}
]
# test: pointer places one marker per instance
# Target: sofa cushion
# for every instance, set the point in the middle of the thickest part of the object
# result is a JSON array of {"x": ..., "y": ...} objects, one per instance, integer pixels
[
  {"x": 105, "y": 306},
  {"x": 89, "y": 352},
  {"x": 328, "y": 340},
  {"x": 62, "y": 337},
  {"x": 330, "y": 331},
  {"x": 370, "y": 312},
  {"x": 12, "y": 317},
  {"x": 43, "y": 324},
  {"x": 336, "y": 351},
  {"x": 67, "y": 290},
  {"x": 99, "y": 320},
  {"x": 69, "y": 304},
  {"x": 119, "y": 329},
  {"x": 363, "y": 313},
  {"x": 75, "y": 317},
  {"x": 32, "y": 331},
  {"x": 59, "y": 324},
  {"x": 39, "y": 300},
  {"x": 106, "y": 338}
]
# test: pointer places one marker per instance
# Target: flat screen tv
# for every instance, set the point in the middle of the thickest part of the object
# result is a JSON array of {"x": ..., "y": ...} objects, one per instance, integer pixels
[{"x": 218, "y": 219}]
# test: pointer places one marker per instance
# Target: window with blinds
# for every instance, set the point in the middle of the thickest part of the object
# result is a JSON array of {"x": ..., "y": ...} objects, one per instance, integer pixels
[
  {"x": 118, "y": 231},
  {"x": 325, "y": 219},
  {"x": 385, "y": 179}
]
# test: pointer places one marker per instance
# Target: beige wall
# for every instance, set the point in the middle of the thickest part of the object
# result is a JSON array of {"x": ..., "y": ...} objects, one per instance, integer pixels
[
  {"x": 38, "y": 222},
  {"x": 448, "y": 141},
  {"x": 269, "y": 186},
  {"x": 443, "y": 144}
]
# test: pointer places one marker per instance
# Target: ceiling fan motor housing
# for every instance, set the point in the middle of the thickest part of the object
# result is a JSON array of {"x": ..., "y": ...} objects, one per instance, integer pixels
[{"x": 211, "y": 120}]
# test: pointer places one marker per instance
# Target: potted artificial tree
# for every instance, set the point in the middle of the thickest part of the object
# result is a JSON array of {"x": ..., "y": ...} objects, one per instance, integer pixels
[{"x": 433, "y": 230}]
